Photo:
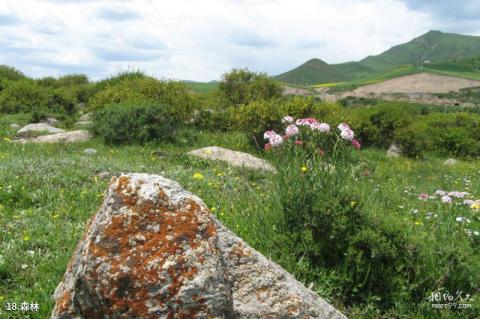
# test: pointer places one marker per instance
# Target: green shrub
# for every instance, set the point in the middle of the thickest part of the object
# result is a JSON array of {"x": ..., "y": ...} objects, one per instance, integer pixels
[
  {"x": 10, "y": 74},
  {"x": 241, "y": 86},
  {"x": 22, "y": 96},
  {"x": 173, "y": 95},
  {"x": 133, "y": 123}
]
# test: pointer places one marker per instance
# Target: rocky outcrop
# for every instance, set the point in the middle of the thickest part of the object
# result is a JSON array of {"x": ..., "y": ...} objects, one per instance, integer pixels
[
  {"x": 39, "y": 128},
  {"x": 153, "y": 250},
  {"x": 393, "y": 151},
  {"x": 233, "y": 158},
  {"x": 66, "y": 137}
]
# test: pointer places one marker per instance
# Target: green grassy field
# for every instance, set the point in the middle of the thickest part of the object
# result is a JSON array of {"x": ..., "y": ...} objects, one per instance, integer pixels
[
  {"x": 48, "y": 192},
  {"x": 202, "y": 88}
]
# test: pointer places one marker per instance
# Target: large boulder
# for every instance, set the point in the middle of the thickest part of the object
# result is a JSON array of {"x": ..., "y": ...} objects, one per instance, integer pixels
[
  {"x": 39, "y": 128},
  {"x": 233, "y": 158},
  {"x": 153, "y": 250},
  {"x": 66, "y": 137}
]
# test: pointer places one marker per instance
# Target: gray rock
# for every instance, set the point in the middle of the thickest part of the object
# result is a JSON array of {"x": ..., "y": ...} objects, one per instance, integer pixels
[
  {"x": 14, "y": 126},
  {"x": 86, "y": 117},
  {"x": 51, "y": 121},
  {"x": 393, "y": 151},
  {"x": 84, "y": 123},
  {"x": 39, "y": 128},
  {"x": 233, "y": 158},
  {"x": 450, "y": 161},
  {"x": 67, "y": 137},
  {"x": 89, "y": 151},
  {"x": 103, "y": 175},
  {"x": 153, "y": 250}
]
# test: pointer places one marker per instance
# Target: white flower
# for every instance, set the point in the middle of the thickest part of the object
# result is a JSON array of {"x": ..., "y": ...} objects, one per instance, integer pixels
[
  {"x": 343, "y": 126},
  {"x": 469, "y": 202},
  {"x": 457, "y": 194},
  {"x": 347, "y": 134},
  {"x": 291, "y": 130},
  {"x": 460, "y": 219},
  {"x": 324, "y": 127},
  {"x": 287, "y": 119},
  {"x": 276, "y": 140},
  {"x": 446, "y": 199},
  {"x": 476, "y": 233},
  {"x": 268, "y": 134},
  {"x": 440, "y": 193}
]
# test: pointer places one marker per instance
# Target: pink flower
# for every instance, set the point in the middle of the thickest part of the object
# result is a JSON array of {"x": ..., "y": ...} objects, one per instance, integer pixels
[
  {"x": 356, "y": 144},
  {"x": 347, "y": 134},
  {"x": 423, "y": 196},
  {"x": 324, "y": 128},
  {"x": 343, "y": 126},
  {"x": 307, "y": 121},
  {"x": 291, "y": 130},
  {"x": 276, "y": 140},
  {"x": 268, "y": 134},
  {"x": 446, "y": 199},
  {"x": 298, "y": 142},
  {"x": 268, "y": 146},
  {"x": 287, "y": 119}
]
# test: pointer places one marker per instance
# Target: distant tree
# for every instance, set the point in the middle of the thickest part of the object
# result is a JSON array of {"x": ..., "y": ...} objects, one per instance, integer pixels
[{"x": 241, "y": 86}]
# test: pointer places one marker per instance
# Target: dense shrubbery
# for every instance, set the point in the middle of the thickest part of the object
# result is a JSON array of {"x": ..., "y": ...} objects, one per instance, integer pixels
[
  {"x": 172, "y": 95},
  {"x": 133, "y": 123},
  {"x": 240, "y": 86}
]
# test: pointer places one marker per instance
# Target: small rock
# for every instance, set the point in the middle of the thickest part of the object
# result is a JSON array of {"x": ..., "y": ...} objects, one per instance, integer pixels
[
  {"x": 66, "y": 137},
  {"x": 51, "y": 121},
  {"x": 103, "y": 175},
  {"x": 233, "y": 158},
  {"x": 450, "y": 161},
  {"x": 39, "y": 128},
  {"x": 89, "y": 151},
  {"x": 86, "y": 117},
  {"x": 84, "y": 123},
  {"x": 393, "y": 151},
  {"x": 14, "y": 126}
]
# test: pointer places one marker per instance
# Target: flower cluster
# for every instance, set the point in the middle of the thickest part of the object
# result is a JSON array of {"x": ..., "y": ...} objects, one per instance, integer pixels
[
  {"x": 449, "y": 197},
  {"x": 275, "y": 139}
]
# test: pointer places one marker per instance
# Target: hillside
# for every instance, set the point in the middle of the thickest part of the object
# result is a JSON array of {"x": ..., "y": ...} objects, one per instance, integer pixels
[
  {"x": 429, "y": 51},
  {"x": 314, "y": 71}
]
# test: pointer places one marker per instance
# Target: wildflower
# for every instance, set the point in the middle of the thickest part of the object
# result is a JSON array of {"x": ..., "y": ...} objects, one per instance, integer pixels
[
  {"x": 343, "y": 126},
  {"x": 475, "y": 206},
  {"x": 287, "y": 119},
  {"x": 457, "y": 194},
  {"x": 6, "y": 139},
  {"x": 198, "y": 176},
  {"x": 213, "y": 209},
  {"x": 268, "y": 134},
  {"x": 446, "y": 199},
  {"x": 291, "y": 130},
  {"x": 268, "y": 146},
  {"x": 356, "y": 144},
  {"x": 423, "y": 196},
  {"x": 304, "y": 169},
  {"x": 353, "y": 204},
  {"x": 26, "y": 237},
  {"x": 276, "y": 140},
  {"x": 476, "y": 233},
  {"x": 324, "y": 127},
  {"x": 347, "y": 134},
  {"x": 310, "y": 121},
  {"x": 418, "y": 223},
  {"x": 299, "y": 142},
  {"x": 462, "y": 219},
  {"x": 440, "y": 193},
  {"x": 469, "y": 202}
]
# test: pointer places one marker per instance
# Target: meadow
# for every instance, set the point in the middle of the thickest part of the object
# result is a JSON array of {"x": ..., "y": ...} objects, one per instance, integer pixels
[{"x": 412, "y": 246}]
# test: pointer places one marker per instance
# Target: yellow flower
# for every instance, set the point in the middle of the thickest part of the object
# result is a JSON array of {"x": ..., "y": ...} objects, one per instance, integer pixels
[
  {"x": 26, "y": 237},
  {"x": 55, "y": 216},
  {"x": 198, "y": 176},
  {"x": 418, "y": 223},
  {"x": 475, "y": 206},
  {"x": 353, "y": 204},
  {"x": 304, "y": 169},
  {"x": 213, "y": 209}
]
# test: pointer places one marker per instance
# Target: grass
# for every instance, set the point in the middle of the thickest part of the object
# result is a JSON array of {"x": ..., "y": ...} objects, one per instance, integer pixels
[
  {"x": 202, "y": 88},
  {"x": 48, "y": 192}
]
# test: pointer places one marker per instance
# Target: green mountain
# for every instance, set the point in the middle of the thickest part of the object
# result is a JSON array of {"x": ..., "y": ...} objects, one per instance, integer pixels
[
  {"x": 313, "y": 71},
  {"x": 428, "y": 50}
]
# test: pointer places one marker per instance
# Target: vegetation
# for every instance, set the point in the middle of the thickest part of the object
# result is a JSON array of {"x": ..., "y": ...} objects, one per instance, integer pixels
[{"x": 374, "y": 236}]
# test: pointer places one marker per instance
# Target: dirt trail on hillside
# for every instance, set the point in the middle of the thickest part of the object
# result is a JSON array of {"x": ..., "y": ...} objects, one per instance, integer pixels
[{"x": 415, "y": 83}]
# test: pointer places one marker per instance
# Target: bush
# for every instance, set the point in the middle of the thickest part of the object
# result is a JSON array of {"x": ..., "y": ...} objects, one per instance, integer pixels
[
  {"x": 324, "y": 223},
  {"x": 240, "y": 86},
  {"x": 10, "y": 74},
  {"x": 177, "y": 102},
  {"x": 133, "y": 123},
  {"x": 22, "y": 96}
]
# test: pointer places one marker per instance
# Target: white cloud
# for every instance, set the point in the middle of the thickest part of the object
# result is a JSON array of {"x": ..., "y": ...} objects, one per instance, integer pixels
[{"x": 197, "y": 40}]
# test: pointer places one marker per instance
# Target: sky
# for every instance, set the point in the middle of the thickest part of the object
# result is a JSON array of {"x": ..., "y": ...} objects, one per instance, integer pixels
[{"x": 201, "y": 40}]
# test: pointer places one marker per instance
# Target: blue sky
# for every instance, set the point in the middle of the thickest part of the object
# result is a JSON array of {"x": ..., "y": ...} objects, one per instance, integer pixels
[{"x": 200, "y": 40}]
